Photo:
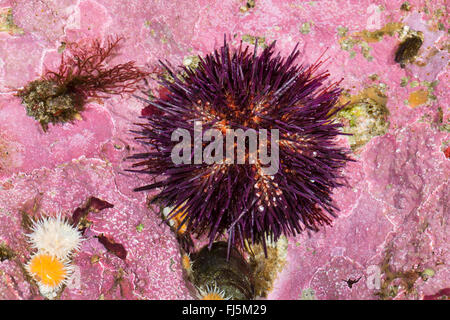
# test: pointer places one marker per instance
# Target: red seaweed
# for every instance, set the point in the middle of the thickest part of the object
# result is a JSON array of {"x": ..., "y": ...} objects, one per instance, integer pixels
[
  {"x": 59, "y": 96},
  {"x": 93, "y": 204},
  {"x": 96, "y": 204},
  {"x": 112, "y": 246},
  {"x": 443, "y": 294}
]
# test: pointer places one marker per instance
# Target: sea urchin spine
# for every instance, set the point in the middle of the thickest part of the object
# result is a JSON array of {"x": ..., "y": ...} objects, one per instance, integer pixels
[{"x": 240, "y": 89}]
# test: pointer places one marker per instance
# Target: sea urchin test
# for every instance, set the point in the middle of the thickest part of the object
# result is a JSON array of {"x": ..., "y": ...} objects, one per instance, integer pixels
[
  {"x": 235, "y": 143},
  {"x": 238, "y": 88}
]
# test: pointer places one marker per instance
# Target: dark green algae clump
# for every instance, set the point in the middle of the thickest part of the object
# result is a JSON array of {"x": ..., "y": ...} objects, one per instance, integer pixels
[{"x": 49, "y": 102}]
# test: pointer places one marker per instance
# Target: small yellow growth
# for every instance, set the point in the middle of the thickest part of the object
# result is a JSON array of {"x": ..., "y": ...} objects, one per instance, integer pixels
[
  {"x": 77, "y": 116},
  {"x": 7, "y": 22},
  {"x": 377, "y": 35},
  {"x": 213, "y": 296},
  {"x": 417, "y": 98},
  {"x": 186, "y": 262},
  {"x": 48, "y": 270},
  {"x": 373, "y": 93}
]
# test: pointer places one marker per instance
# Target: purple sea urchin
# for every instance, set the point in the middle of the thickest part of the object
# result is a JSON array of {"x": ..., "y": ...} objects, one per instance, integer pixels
[{"x": 238, "y": 89}]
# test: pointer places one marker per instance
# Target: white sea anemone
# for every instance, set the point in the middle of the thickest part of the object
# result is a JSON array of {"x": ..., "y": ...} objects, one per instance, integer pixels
[
  {"x": 55, "y": 236},
  {"x": 212, "y": 292}
]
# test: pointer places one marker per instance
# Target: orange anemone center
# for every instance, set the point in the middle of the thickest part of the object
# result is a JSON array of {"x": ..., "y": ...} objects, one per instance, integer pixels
[
  {"x": 48, "y": 270},
  {"x": 212, "y": 296}
]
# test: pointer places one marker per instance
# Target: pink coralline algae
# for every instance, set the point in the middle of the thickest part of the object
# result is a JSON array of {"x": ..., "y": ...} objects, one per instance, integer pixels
[{"x": 390, "y": 237}]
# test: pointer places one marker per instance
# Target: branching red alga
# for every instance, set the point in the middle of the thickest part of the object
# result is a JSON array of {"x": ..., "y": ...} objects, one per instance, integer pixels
[{"x": 59, "y": 96}]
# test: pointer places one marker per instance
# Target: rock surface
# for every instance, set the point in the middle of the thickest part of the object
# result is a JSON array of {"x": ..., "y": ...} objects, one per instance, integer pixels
[{"x": 392, "y": 228}]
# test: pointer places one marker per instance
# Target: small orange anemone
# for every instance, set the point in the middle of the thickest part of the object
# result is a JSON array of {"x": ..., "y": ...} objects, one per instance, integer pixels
[
  {"x": 186, "y": 262},
  {"x": 48, "y": 270}
]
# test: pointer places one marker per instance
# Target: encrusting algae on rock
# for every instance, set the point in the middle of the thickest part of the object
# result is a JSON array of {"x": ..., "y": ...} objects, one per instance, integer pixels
[{"x": 364, "y": 116}]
